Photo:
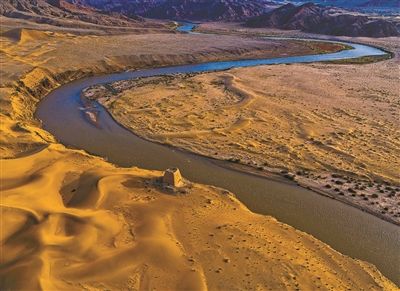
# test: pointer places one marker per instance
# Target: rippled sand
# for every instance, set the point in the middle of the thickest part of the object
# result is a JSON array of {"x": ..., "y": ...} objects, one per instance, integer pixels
[
  {"x": 331, "y": 127},
  {"x": 71, "y": 221}
]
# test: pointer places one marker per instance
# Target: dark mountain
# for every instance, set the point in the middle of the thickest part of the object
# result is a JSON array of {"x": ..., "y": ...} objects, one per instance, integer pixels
[
  {"x": 72, "y": 14},
  {"x": 318, "y": 19},
  {"x": 225, "y": 10},
  {"x": 127, "y": 7},
  {"x": 61, "y": 13}
]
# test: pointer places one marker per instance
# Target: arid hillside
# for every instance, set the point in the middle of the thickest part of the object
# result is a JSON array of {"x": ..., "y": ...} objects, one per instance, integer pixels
[
  {"x": 318, "y": 19},
  {"x": 64, "y": 14},
  {"x": 222, "y": 10}
]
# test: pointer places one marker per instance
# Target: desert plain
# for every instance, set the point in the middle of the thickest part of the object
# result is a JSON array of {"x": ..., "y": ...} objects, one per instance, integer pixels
[{"x": 73, "y": 221}]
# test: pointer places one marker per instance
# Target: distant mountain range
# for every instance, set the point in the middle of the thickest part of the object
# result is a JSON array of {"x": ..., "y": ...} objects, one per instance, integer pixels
[
  {"x": 63, "y": 13},
  {"x": 225, "y": 10},
  {"x": 314, "y": 18},
  {"x": 308, "y": 17},
  {"x": 130, "y": 8},
  {"x": 206, "y": 10}
]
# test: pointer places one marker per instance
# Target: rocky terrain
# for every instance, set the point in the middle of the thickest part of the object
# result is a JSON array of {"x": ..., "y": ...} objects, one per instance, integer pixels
[
  {"x": 140, "y": 7},
  {"x": 318, "y": 19},
  {"x": 257, "y": 13},
  {"x": 126, "y": 7},
  {"x": 225, "y": 10},
  {"x": 64, "y": 14}
]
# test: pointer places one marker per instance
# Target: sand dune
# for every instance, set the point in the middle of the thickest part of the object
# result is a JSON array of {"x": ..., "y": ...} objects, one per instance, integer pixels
[{"x": 71, "y": 221}]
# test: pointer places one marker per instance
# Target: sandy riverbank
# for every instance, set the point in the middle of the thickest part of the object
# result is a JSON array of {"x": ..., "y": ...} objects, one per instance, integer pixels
[
  {"x": 74, "y": 221},
  {"x": 330, "y": 127}
]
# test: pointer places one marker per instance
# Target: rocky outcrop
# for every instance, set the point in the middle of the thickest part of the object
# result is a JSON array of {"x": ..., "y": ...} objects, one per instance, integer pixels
[
  {"x": 220, "y": 10},
  {"x": 318, "y": 19},
  {"x": 225, "y": 10},
  {"x": 130, "y": 8},
  {"x": 62, "y": 12}
]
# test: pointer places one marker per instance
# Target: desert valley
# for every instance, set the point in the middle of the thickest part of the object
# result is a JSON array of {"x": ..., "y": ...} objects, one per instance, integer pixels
[{"x": 199, "y": 144}]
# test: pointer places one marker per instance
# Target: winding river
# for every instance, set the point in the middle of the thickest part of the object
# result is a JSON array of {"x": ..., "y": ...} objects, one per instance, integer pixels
[{"x": 347, "y": 229}]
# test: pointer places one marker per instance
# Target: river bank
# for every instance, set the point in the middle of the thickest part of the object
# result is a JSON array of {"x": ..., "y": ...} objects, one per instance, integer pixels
[
  {"x": 188, "y": 119},
  {"x": 29, "y": 66},
  {"x": 107, "y": 138},
  {"x": 98, "y": 226}
]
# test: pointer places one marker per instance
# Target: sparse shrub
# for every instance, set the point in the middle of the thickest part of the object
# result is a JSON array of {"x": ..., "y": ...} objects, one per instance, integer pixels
[
  {"x": 288, "y": 176},
  {"x": 234, "y": 160}
]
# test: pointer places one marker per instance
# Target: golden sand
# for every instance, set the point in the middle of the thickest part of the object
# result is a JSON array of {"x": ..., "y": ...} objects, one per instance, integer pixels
[
  {"x": 34, "y": 62},
  {"x": 71, "y": 221},
  {"x": 331, "y": 127}
]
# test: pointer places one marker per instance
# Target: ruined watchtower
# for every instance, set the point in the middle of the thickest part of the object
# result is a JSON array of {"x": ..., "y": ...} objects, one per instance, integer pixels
[{"x": 172, "y": 177}]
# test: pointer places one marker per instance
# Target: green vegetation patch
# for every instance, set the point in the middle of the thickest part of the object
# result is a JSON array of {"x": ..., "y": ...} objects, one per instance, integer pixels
[
  {"x": 321, "y": 47},
  {"x": 363, "y": 60}
]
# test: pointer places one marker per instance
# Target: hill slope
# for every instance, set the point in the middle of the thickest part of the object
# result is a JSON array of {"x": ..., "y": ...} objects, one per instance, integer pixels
[
  {"x": 65, "y": 14},
  {"x": 225, "y": 10},
  {"x": 125, "y": 7},
  {"x": 318, "y": 19}
]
